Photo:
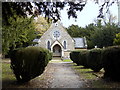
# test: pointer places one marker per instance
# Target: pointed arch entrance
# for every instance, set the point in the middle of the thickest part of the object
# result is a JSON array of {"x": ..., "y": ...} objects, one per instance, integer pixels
[{"x": 57, "y": 50}]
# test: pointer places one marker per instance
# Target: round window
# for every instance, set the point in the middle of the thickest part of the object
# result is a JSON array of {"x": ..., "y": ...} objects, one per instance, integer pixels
[{"x": 56, "y": 34}]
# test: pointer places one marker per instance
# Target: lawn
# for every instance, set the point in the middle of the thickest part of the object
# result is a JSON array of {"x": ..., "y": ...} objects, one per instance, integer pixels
[
  {"x": 92, "y": 79},
  {"x": 67, "y": 60},
  {"x": 7, "y": 72},
  {"x": 59, "y": 61},
  {"x": 8, "y": 77}
]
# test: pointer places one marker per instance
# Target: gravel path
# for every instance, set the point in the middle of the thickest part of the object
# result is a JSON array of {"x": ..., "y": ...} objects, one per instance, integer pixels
[{"x": 64, "y": 76}]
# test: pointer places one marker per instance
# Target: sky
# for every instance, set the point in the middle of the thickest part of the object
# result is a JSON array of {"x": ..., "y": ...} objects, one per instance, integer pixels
[{"x": 87, "y": 15}]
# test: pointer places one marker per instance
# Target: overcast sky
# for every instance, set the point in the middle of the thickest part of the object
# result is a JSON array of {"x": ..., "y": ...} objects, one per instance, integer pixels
[{"x": 87, "y": 15}]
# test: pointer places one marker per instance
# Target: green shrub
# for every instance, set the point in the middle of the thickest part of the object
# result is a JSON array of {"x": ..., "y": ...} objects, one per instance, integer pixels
[
  {"x": 88, "y": 59},
  {"x": 79, "y": 57},
  {"x": 111, "y": 62},
  {"x": 83, "y": 58},
  {"x": 29, "y": 62},
  {"x": 94, "y": 59},
  {"x": 74, "y": 56},
  {"x": 50, "y": 55}
]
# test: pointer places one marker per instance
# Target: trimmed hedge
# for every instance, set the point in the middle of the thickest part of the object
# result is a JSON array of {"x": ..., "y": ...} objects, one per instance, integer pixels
[
  {"x": 88, "y": 58},
  {"x": 29, "y": 62},
  {"x": 83, "y": 58},
  {"x": 111, "y": 62},
  {"x": 79, "y": 57},
  {"x": 74, "y": 55},
  {"x": 94, "y": 60}
]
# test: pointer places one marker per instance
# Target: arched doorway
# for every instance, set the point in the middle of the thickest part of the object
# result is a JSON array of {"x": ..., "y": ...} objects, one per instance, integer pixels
[{"x": 57, "y": 50}]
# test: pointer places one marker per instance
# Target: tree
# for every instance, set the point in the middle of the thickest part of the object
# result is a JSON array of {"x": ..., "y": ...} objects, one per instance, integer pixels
[
  {"x": 91, "y": 28},
  {"x": 105, "y": 35},
  {"x": 117, "y": 39},
  {"x": 50, "y": 9},
  {"x": 19, "y": 34},
  {"x": 17, "y": 30},
  {"x": 109, "y": 18},
  {"x": 73, "y": 30},
  {"x": 96, "y": 34},
  {"x": 41, "y": 25}
]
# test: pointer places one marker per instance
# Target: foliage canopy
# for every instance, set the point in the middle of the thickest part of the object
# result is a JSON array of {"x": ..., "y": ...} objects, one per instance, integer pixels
[
  {"x": 96, "y": 34},
  {"x": 50, "y": 9},
  {"x": 19, "y": 34}
]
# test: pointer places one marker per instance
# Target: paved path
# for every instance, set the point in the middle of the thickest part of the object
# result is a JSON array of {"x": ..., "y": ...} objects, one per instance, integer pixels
[{"x": 64, "y": 76}]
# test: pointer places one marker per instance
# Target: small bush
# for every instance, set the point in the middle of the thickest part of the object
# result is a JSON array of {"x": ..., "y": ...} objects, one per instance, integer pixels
[
  {"x": 29, "y": 62},
  {"x": 111, "y": 62},
  {"x": 94, "y": 60}
]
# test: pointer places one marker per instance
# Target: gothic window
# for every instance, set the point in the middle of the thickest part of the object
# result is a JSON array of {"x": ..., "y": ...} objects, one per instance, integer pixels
[
  {"x": 48, "y": 45},
  {"x": 64, "y": 44}
]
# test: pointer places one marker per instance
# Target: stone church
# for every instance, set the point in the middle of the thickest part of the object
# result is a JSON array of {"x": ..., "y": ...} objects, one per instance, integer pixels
[{"x": 58, "y": 41}]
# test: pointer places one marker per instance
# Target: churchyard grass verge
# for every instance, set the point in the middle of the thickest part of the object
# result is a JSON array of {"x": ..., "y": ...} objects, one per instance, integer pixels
[
  {"x": 93, "y": 79},
  {"x": 67, "y": 60},
  {"x": 7, "y": 73},
  {"x": 85, "y": 72}
]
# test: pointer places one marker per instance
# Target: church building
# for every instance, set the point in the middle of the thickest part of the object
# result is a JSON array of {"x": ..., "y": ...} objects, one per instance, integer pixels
[{"x": 58, "y": 41}]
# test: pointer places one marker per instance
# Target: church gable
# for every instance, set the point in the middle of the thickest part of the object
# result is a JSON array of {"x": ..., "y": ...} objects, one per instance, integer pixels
[{"x": 56, "y": 32}]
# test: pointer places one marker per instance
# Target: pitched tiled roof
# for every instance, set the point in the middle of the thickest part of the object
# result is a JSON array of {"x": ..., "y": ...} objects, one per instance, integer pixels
[
  {"x": 79, "y": 42},
  {"x": 36, "y": 40}
]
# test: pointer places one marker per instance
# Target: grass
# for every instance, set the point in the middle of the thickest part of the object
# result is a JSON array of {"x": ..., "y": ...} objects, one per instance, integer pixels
[
  {"x": 86, "y": 73},
  {"x": 67, "y": 60},
  {"x": 91, "y": 79},
  {"x": 7, "y": 72},
  {"x": 58, "y": 61},
  {"x": 8, "y": 78},
  {"x": 55, "y": 61}
]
